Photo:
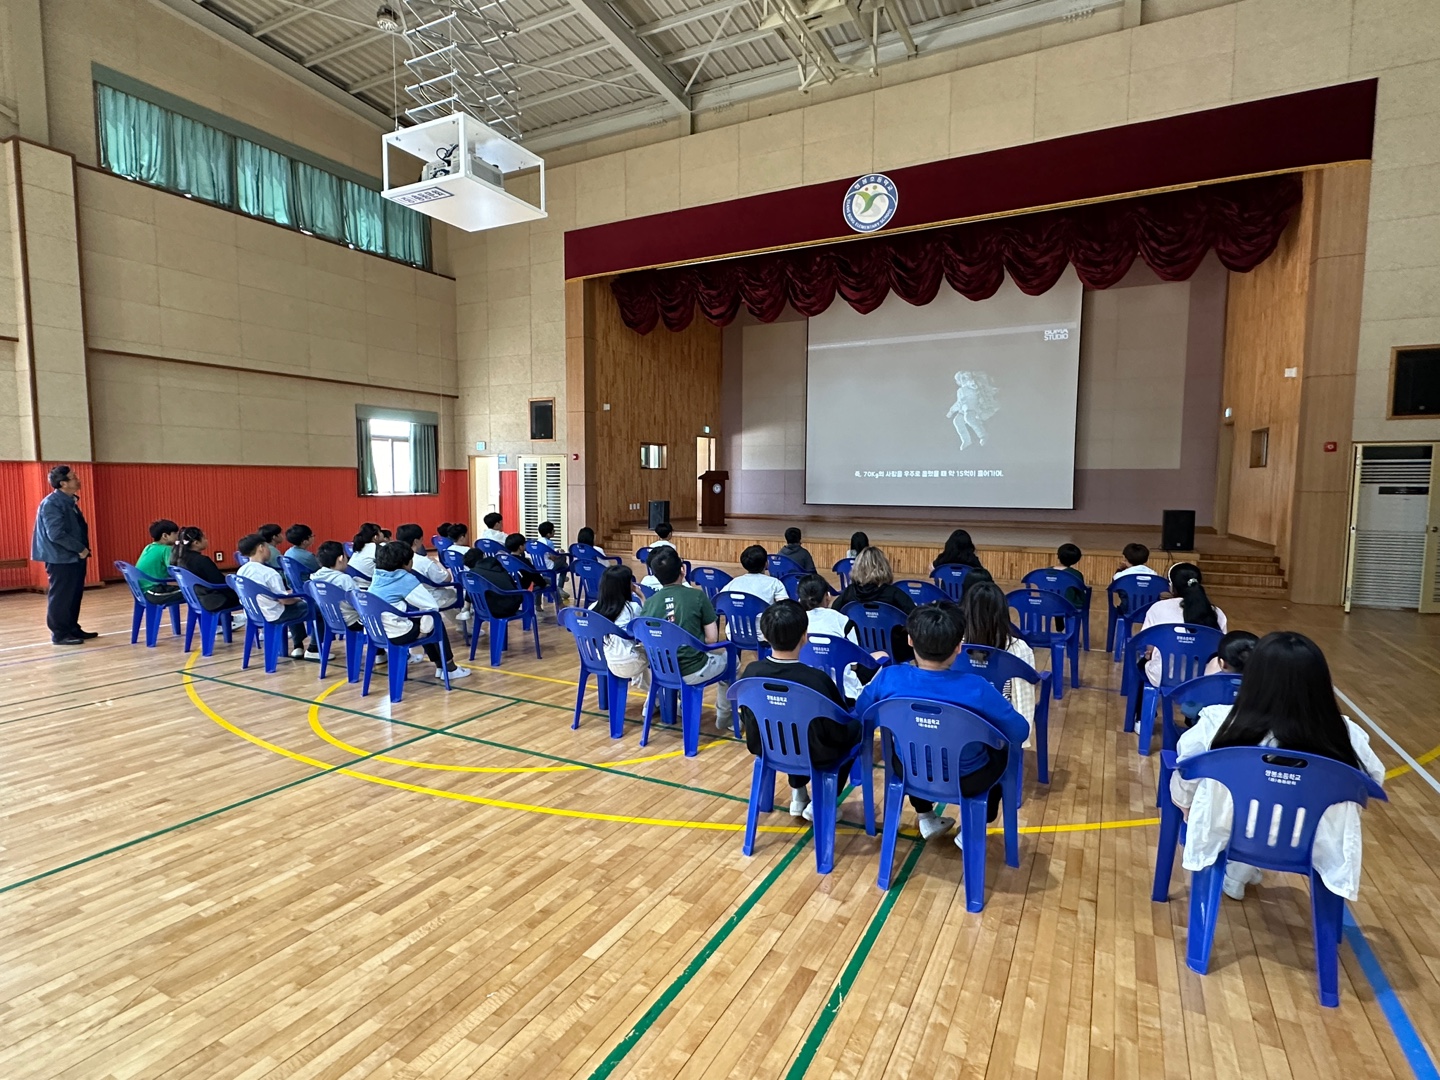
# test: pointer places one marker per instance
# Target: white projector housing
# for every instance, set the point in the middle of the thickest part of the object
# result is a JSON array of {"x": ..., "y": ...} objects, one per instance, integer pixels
[{"x": 466, "y": 186}]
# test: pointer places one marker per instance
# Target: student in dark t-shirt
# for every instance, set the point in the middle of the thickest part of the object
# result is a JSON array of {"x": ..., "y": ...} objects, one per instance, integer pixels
[
  {"x": 784, "y": 625},
  {"x": 690, "y": 609}
]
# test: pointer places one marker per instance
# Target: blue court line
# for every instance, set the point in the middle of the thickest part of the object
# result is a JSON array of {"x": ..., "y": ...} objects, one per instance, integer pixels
[{"x": 1413, "y": 1047}]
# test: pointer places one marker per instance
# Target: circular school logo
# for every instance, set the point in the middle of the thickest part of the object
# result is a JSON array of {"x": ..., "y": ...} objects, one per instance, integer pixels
[{"x": 870, "y": 203}]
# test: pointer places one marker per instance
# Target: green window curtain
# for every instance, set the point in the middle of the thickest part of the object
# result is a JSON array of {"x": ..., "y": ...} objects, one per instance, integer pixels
[
  {"x": 318, "y": 202},
  {"x": 204, "y": 161},
  {"x": 134, "y": 137},
  {"x": 364, "y": 217},
  {"x": 407, "y": 235},
  {"x": 264, "y": 183},
  {"x": 366, "y": 460},
  {"x": 424, "y": 459}
]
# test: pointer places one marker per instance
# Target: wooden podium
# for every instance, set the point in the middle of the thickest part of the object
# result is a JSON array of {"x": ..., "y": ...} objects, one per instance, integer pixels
[{"x": 713, "y": 487}]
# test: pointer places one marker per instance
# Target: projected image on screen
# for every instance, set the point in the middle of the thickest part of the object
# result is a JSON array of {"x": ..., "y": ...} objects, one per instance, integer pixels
[{"x": 956, "y": 403}]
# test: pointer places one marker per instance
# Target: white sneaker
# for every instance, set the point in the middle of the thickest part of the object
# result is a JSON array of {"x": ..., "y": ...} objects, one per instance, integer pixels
[
  {"x": 959, "y": 843},
  {"x": 1237, "y": 876},
  {"x": 237, "y": 620},
  {"x": 809, "y": 814},
  {"x": 462, "y": 616},
  {"x": 458, "y": 673},
  {"x": 312, "y": 654},
  {"x": 297, "y": 654},
  {"x": 932, "y": 825},
  {"x": 799, "y": 802},
  {"x": 417, "y": 655}
]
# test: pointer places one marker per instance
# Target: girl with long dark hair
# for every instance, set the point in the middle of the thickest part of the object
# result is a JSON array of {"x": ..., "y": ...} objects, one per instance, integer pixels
[
  {"x": 189, "y": 554},
  {"x": 1287, "y": 701},
  {"x": 1188, "y": 603},
  {"x": 618, "y": 599},
  {"x": 959, "y": 550},
  {"x": 362, "y": 557},
  {"x": 985, "y": 614}
]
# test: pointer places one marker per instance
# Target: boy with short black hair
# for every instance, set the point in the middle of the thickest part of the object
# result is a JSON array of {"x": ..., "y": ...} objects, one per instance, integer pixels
[
  {"x": 1137, "y": 556},
  {"x": 935, "y": 636},
  {"x": 492, "y": 530},
  {"x": 691, "y": 610},
  {"x": 270, "y": 533},
  {"x": 300, "y": 537},
  {"x": 154, "y": 561},
  {"x": 333, "y": 561},
  {"x": 1066, "y": 557},
  {"x": 398, "y": 587},
  {"x": 755, "y": 580},
  {"x": 663, "y": 532},
  {"x": 795, "y": 553},
  {"x": 286, "y": 608},
  {"x": 784, "y": 625},
  {"x": 438, "y": 581},
  {"x": 515, "y": 545}
]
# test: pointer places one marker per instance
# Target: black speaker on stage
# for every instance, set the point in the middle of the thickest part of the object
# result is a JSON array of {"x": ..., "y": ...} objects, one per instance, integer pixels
[
  {"x": 660, "y": 511},
  {"x": 1177, "y": 533}
]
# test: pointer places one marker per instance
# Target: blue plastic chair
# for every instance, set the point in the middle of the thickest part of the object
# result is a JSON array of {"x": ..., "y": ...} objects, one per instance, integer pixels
[
  {"x": 272, "y": 635},
  {"x": 452, "y": 560},
  {"x": 1217, "y": 689},
  {"x": 539, "y": 553},
  {"x": 662, "y": 642},
  {"x": 783, "y": 714},
  {"x": 589, "y": 551},
  {"x": 1060, "y": 583},
  {"x": 295, "y": 575},
  {"x": 586, "y": 573},
  {"x": 923, "y": 592},
  {"x": 590, "y": 631},
  {"x": 951, "y": 580},
  {"x": 240, "y": 560},
  {"x": 927, "y": 739},
  {"x": 358, "y": 576},
  {"x": 515, "y": 566},
  {"x": 1127, "y": 600},
  {"x": 1038, "y": 625},
  {"x": 490, "y": 547},
  {"x": 642, "y": 556},
  {"x": 397, "y": 657},
  {"x": 742, "y": 613},
  {"x": 440, "y": 543},
  {"x": 833, "y": 654},
  {"x": 711, "y": 580},
  {"x": 1184, "y": 651},
  {"x": 1287, "y": 793},
  {"x": 842, "y": 570},
  {"x": 873, "y": 623},
  {"x": 147, "y": 610},
  {"x": 781, "y": 565},
  {"x": 329, "y": 623},
  {"x": 479, "y": 592},
  {"x": 646, "y": 591},
  {"x": 998, "y": 667},
  {"x": 349, "y": 548},
  {"x": 199, "y": 616}
]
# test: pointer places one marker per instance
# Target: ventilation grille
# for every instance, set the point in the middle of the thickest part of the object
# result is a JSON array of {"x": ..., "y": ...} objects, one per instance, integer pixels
[
  {"x": 542, "y": 494},
  {"x": 1387, "y": 568},
  {"x": 1407, "y": 472}
]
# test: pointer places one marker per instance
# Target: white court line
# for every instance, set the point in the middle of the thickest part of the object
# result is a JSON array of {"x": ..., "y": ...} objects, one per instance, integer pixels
[
  {"x": 1393, "y": 744},
  {"x": 51, "y": 644}
]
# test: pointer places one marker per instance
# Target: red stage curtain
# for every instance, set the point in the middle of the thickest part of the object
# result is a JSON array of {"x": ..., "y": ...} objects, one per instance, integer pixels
[{"x": 1242, "y": 220}]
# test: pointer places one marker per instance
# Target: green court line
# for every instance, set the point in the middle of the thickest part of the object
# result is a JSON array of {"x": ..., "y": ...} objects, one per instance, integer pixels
[
  {"x": 831, "y": 1009},
  {"x": 102, "y": 686},
  {"x": 91, "y": 704},
  {"x": 113, "y": 849},
  {"x": 488, "y": 742}
]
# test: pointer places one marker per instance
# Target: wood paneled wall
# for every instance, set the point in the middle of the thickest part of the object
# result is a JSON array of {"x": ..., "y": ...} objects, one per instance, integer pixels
[{"x": 660, "y": 387}]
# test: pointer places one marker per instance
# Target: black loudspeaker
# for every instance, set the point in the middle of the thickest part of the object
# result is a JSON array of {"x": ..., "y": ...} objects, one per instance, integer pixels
[
  {"x": 1417, "y": 383},
  {"x": 1178, "y": 531},
  {"x": 660, "y": 511}
]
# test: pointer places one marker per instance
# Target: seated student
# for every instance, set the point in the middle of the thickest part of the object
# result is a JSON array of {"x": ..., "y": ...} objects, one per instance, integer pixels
[
  {"x": 1187, "y": 603},
  {"x": 986, "y": 617},
  {"x": 438, "y": 581},
  {"x": 189, "y": 554},
  {"x": 362, "y": 555},
  {"x": 332, "y": 559},
  {"x": 620, "y": 601},
  {"x": 795, "y": 553},
  {"x": 154, "y": 561},
  {"x": 935, "y": 635},
  {"x": 691, "y": 610},
  {"x": 288, "y": 608},
  {"x": 755, "y": 580},
  {"x": 1230, "y": 658},
  {"x": 663, "y": 532},
  {"x": 443, "y": 530},
  {"x": 587, "y": 536},
  {"x": 515, "y": 545},
  {"x": 397, "y": 586},
  {"x": 489, "y": 568},
  {"x": 873, "y": 582},
  {"x": 1066, "y": 557},
  {"x": 813, "y": 595},
  {"x": 301, "y": 539},
  {"x": 458, "y": 533},
  {"x": 1137, "y": 557},
  {"x": 270, "y": 533},
  {"x": 492, "y": 530},
  {"x": 858, "y": 543},
  {"x": 559, "y": 560},
  {"x": 784, "y": 626},
  {"x": 959, "y": 550},
  {"x": 1287, "y": 701}
]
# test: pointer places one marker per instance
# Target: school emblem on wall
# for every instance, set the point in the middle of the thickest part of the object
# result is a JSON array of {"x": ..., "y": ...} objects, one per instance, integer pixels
[{"x": 870, "y": 203}]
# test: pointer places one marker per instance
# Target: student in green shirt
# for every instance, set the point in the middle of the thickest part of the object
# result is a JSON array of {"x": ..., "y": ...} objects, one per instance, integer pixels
[
  {"x": 154, "y": 561},
  {"x": 691, "y": 610}
]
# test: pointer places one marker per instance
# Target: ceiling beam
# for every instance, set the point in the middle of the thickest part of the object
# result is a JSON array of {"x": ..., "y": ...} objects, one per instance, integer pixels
[
  {"x": 606, "y": 22},
  {"x": 670, "y": 22},
  {"x": 297, "y": 11},
  {"x": 695, "y": 52},
  {"x": 340, "y": 48}
]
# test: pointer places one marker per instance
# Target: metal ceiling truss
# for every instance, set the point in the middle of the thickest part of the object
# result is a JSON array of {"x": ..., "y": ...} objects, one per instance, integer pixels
[{"x": 461, "y": 62}]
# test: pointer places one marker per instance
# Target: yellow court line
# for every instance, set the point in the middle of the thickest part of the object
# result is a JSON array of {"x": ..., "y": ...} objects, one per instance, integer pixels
[{"x": 1424, "y": 759}]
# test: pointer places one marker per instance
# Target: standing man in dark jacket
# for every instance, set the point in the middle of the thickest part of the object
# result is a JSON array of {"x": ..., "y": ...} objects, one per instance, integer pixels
[{"x": 62, "y": 542}]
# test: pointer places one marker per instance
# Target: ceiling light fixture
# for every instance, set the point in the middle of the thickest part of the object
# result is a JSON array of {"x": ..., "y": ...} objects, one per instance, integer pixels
[{"x": 387, "y": 20}]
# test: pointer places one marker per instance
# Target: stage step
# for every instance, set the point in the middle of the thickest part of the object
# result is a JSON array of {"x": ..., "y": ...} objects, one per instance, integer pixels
[{"x": 1218, "y": 592}]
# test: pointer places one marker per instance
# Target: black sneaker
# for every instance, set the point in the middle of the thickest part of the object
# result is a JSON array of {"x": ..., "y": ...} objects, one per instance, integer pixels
[
  {"x": 68, "y": 641},
  {"x": 86, "y": 635}
]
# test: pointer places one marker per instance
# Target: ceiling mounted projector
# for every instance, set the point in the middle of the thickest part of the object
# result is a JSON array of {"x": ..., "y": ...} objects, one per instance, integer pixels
[{"x": 387, "y": 20}]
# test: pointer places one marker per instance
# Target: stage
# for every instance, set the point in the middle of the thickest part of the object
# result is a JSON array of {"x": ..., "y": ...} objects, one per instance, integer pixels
[{"x": 1231, "y": 565}]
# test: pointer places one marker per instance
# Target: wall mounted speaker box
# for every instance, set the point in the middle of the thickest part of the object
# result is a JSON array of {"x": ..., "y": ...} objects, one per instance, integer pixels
[
  {"x": 1416, "y": 390},
  {"x": 1177, "y": 532},
  {"x": 660, "y": 511}
]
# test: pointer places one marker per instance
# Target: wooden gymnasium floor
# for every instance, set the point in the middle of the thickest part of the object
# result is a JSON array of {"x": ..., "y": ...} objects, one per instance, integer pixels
[{"x": 206, "y": 872}]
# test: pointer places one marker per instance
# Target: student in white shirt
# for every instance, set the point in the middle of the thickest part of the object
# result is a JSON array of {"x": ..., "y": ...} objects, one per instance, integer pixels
[
  {"x": 813, "y": 594},
  {"x": 493, "y": 530},
  {"x": 459, "y": 536},
  {"x": 362, "y": 555},
  {"x": 985, "y": 614},
  {"x": 1137, "y": 558},
  {"x": 438, "y": 581},
  {"x": 586, "y": 536},
  {"x": 557, "y": 560},
  {"x": 1187, "y": 604},
  {"x": 332, "y": 558},
  {"x": 755, "y": 580},
  {"x": 663, "y": 532},
  {"x": 288, "y": 608},
  {"x": 619, "y": 601},
  {"x": 398, "y": 587},
  {"x": 1287, "y": 701}
]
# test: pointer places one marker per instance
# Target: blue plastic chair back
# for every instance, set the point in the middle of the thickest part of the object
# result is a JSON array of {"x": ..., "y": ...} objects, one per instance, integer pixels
[
  {"x": 249, "y": 593},
  {"x": 1038, "y": 611},
  {"x": 711, "y": 580},
  {"x": 832, "y": 654},
  {"x": 1184, "y": 650},
  {"x": 647, "y": 591},
  {"x": 479, "y": 590},
  {"x": 147, "y": 610},
  {"x": 452, "y": 560},
  {"x": 514, "y": 566},
  {"x": 329, "y": 622},
  {"x": 540, "y": 555},
  {"x": 1200, "y": 692},
  {"x": 440, "y": 543},
  {"x": 923, "y": 592},
  {"x": 138, "y": 582},
  {"x": 349, "y": 548},
  {"x": 588, "y": 571},
  {"x": 327, "y": 599},
  {"x": 642, "y": 556},
  {"x": 189, "y": 584},
  {"x": 590, "y": 631},
  {"x": 294, "y": 574},
  {"x": 490, "y": 547},
  {"x": 873, "y": 623},
  {"x": 370, "y": 609},
  {"x": 929, "y": 739},
  {"x": 1049, "y": 580},
  {"x": 662, "y": 642},
  {"x": 240, "y": 560},
  {"x": 995, "y": 666},
  {"x": 589, "y": 551},
  {"x": 792, "y": 585},
  {"x": 742, "y": 613},
  {"x": 780, "y": 565},
  {"x": 842, "y": 571},
  {"x": 951, "y": 580},
  {"x": 1279, "y": 796},
  {"x": 358, "y": 576},
  {"x": 1132, "y": 594},
  {"x": 207, "y": 621},
  {"x": 783, "y": 713}
]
